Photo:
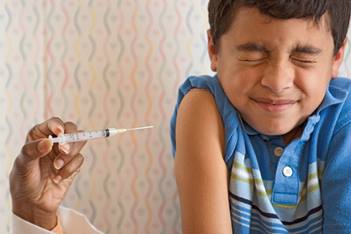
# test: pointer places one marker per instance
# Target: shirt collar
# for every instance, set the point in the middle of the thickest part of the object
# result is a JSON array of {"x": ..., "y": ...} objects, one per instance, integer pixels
[{"x": 334, "y": 95}]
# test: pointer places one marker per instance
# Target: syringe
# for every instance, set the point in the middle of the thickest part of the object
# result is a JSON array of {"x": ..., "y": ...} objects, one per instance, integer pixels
[{"x": 89, "y": 135}]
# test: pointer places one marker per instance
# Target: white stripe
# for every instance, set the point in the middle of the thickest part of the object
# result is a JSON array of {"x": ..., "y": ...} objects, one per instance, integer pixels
[
  {"x": 319, "y": 226},
  {"x": 242, "y": 224},
  {"x": 312, "y": 182},
  {"x": 240, "y": 217},
  {"x": 242, "y": 173}
]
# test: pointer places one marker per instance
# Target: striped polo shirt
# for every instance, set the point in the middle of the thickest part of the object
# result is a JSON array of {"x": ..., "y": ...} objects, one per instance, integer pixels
[{"x": 300, "y": 187}]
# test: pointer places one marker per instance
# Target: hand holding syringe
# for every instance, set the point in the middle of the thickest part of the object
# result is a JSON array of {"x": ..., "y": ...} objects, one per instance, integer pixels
[{"x": 84, "y": 136}]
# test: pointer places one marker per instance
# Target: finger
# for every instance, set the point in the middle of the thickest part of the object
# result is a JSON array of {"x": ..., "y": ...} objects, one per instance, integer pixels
[
  {"x": 60, "y": 160},
  {"x": 36, "y": 149},
  {"x": 75, "y": 147},
  {"x": 68, "y": 150},
  {"x": 49, "y": 127},
  {"x": 67, "y": 154},
  {"x": 70, "y": 168},
  {"x": 69, "y": 127}
]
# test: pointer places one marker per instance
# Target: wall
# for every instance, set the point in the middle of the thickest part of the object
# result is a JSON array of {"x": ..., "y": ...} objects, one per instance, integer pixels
[{"x": 103, "y": 64}]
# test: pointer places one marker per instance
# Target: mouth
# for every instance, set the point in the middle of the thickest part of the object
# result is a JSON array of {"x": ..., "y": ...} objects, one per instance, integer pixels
[{"x": 274, "y": 105}]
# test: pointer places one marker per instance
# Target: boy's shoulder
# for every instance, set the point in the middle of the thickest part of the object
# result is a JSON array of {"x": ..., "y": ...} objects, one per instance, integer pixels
[
  {"x": 341, "y": 87},
  {"x": 340, "y": 90},
  {"x": 341, "y": 83},
  {"x": 340, "y": 93}
]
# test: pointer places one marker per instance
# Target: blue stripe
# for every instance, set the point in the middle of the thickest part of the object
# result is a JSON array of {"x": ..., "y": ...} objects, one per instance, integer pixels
[
  {"x": 318, "y": 231},
  {"x": 242, "y": 213},
  {"x": 270, "y": 215},
  {"x": 238, "y": 219},
  {"x": 269, "y": 229},
  {"x": 257, "y": 218},
  {"x": 302, "y": 226},
  {"x": 276, "y": 225},
  {"x": 235, "y": 211},
  {"x": 265, "y": 230},
  {"x": 305, "y": 229},
  {"x": 312, "y": 223}
]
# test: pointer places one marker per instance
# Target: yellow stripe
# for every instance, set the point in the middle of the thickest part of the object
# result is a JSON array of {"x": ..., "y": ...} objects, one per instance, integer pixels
[
  {"x": 239, "y": 165},
  {"x": 312, "y": 176},
  {"x": 264, "y": 193},
  {"x": 284, "y": 206},
  {"x": 313, "y": 188},
  {"x": 239, "y": 178},
  {"x": 267, "y": 193},
  {"x": 251, "y": 182}
]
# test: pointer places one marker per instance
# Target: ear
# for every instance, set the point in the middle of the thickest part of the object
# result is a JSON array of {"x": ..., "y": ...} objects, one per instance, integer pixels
[
  {"x": 212, "y": 51},
  {"x": 338, "y": 58}
]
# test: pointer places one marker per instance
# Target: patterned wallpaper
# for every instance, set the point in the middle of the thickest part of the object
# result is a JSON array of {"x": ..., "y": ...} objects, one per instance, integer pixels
[{"x": 103, "y": 63}]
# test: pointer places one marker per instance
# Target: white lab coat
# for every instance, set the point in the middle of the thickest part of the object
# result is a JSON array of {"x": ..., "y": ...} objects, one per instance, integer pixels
[{"x": 72, "y": 222}]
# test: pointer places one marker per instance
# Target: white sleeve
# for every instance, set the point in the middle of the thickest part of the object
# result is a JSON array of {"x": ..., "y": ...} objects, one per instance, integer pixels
[
  {"x": 74, "y": 222},
  {"x": 20, "y": 225},
  {"x": 71, "y": 222}
]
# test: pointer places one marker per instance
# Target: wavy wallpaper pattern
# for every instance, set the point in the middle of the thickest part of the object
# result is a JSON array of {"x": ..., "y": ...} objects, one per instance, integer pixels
[{"x": 103, "y": 63}]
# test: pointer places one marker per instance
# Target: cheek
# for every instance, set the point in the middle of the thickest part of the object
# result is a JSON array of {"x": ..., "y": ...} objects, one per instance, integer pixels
[
  {"x": 239, "y": 75},
  {"x": 237, "y": 89},
  {"x": 312, "y": 86},
  {"x": 238, "y": 81}
]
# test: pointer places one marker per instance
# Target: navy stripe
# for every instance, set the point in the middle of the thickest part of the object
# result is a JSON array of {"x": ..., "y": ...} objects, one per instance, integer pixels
[
  {"x": 310, "y": 212},
  {"x": 270, "y": 215}
]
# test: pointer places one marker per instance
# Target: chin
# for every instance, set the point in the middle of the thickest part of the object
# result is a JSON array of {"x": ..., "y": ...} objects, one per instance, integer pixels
[{"x": 274, "y": 129}]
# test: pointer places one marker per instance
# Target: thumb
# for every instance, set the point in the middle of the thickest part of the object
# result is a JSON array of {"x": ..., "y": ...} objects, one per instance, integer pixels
[{"x": 36, "y": 149}]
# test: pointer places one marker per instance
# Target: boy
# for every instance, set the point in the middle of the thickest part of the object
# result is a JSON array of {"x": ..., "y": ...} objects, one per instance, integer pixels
[{"x": 264, "y": 145}]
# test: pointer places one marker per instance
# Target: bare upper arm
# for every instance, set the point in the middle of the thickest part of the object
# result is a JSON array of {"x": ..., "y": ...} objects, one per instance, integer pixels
[{"x": 200, "y": 170}]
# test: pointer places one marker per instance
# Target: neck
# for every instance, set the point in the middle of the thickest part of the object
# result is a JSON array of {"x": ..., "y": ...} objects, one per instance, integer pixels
[{"x": 293, "y": 134}]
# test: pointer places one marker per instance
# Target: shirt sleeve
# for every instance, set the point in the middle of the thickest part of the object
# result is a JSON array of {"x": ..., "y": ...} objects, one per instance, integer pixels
[
  {"x": 336, "y": 184},
  {"x": 20, "y": 225},
  {"x": 70, "y": 222},
  {"x": 58, "y": 228}
]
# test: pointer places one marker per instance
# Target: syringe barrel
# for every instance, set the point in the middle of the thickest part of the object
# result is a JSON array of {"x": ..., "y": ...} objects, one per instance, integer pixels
[{"x": 81, "y": 136}]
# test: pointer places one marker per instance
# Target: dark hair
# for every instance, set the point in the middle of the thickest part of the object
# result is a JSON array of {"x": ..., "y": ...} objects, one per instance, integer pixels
[{"x": 221, "y": 13}]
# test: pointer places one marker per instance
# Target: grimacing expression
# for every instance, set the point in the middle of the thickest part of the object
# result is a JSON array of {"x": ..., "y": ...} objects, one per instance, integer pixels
[{"x": 275, "y": 72}]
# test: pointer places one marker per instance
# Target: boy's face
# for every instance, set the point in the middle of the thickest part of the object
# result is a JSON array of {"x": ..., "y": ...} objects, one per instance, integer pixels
[{"x": 275, "y": 72}]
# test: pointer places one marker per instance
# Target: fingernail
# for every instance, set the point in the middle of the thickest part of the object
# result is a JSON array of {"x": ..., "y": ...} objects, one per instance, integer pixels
[
  {"x": 57, "y": 179},
  {"x": 43, "y": 145},
  {"x": 58, "y": 163},
  {"x": 58, "y": 130},
  {"x": 65, "y": 148}
]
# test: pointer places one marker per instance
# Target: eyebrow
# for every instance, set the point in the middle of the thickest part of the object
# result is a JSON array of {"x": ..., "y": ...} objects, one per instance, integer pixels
[
  {"x": 252, "y": 47},
  {"x": 306, "y": 49}
]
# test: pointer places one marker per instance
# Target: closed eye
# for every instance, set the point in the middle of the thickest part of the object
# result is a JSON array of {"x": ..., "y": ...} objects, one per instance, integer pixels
[
  {"x": 252, "y": 60},
  {"x": 304, "y": 61}
]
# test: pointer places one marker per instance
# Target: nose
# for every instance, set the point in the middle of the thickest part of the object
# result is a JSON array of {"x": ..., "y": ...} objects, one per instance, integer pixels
[{"x": 278, "y": 77}]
